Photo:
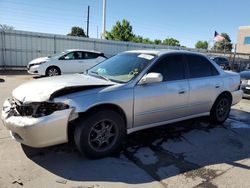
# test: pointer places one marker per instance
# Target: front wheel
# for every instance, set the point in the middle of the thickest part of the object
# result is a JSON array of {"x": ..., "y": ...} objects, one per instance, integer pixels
[
  {"x": 220, "y": 110},
  {"x": 53, "y": 71},
  {"x": 101, "y": 134}
]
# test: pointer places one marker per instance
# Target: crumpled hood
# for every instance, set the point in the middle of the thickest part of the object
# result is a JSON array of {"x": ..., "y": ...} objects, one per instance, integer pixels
[
  {"x": 41, "y": 89},
  {"x": 38, "y": 60}
]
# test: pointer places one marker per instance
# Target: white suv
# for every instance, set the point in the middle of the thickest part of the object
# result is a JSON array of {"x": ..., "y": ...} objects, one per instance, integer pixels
[{"x": 69, "y": 61}]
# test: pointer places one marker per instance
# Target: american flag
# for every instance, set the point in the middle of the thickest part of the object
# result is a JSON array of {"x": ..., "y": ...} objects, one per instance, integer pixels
[{"x": 218, "y": 37}]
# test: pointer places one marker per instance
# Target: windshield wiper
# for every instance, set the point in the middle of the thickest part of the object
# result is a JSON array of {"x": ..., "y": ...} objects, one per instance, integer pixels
[{"x": 99, "y": 75}]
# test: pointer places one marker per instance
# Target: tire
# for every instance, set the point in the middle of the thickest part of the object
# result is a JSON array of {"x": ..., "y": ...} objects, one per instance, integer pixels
[
  {"x": 53, "y": 71},
  {"x": 100, "y": 134},
  {"x": 220, "y": 110}
]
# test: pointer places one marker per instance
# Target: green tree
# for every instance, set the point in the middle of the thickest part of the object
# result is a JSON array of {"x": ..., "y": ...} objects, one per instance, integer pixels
[
  {"x": 137, "y": 39},
  {"x": 171, "y": 42},
  {"x": 147, "y": 41},
  {"x": 224, "y": 45},
  {"x": 5, "y": 27},
  {"x": 77, "y": 31},
  {"x": 201, "y": 45},
  {"x": 122, "y": 31},
  {"x": 157, "y": 41}
]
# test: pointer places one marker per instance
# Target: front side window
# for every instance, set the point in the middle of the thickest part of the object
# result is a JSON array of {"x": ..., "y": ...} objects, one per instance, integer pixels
[
  {"x": 73, "y": 56},
  {"x": 199, "y": 66},
  {"x": 171, "y": 67},
  {"x": 122, "y": 67}
]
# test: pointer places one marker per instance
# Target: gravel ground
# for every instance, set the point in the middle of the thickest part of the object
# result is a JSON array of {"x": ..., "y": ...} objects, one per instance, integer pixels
[{"x": 191, "y": 153}]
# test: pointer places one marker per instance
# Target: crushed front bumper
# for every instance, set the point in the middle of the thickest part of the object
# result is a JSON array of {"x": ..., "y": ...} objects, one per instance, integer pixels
[{"x": 37, "y": 132}]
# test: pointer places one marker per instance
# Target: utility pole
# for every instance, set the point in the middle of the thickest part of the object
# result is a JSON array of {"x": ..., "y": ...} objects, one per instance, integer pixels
[
  {"x": 88, "y": 23},
  {"x": 235, "y": 48},
  {"x": 103, "y": 18}
]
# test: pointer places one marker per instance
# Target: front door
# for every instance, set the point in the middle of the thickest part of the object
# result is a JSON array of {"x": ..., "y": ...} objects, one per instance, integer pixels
[
  {"x": 164, "y": 101},
  {"x": 72, "y": 62}
]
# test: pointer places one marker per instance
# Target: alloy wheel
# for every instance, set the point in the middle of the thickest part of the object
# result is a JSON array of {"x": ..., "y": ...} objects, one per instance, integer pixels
[{"x": 103, "y": 135}]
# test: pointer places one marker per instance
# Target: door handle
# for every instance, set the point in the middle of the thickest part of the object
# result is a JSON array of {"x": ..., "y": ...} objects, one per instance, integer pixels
[
  {"x": 217, "y": 86},
  {"x": 182, "y": 92}
]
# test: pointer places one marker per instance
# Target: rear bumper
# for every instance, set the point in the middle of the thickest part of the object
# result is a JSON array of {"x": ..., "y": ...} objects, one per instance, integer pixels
[
  {"x": 237, "y": 96},
  {"x": 37, "y": 132}
]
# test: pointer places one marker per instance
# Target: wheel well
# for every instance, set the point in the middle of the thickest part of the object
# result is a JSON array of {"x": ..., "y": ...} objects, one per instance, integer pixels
[
  {"x": 72, "y": 125},
  {"x": 51, "y": 67},
  {"x": 226, "y": 93}
]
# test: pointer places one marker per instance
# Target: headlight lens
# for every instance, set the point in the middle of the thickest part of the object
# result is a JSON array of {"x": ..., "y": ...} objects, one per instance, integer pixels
[{"x": 40, "y": 63}]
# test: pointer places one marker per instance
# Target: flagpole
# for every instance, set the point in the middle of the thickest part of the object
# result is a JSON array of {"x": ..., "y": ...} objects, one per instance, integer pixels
[{"x": 224, "y": 47}]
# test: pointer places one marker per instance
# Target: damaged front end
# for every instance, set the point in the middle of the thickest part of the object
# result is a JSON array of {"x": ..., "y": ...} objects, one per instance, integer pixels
[{"x": 37, "y": 124}]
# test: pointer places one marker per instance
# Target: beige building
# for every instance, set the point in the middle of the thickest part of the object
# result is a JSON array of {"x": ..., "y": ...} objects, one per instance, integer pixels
[{"x": 243, "y": 40}]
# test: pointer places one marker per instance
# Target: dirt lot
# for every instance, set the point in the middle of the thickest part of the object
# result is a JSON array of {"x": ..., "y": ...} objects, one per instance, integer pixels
[{"x": 191, "y": 153}]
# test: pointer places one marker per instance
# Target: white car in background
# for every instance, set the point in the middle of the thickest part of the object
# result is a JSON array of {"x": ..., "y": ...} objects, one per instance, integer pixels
[{"x": 66, "y": 62}]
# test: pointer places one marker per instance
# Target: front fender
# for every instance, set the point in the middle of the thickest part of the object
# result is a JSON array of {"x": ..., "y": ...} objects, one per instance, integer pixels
[{"x": 120, "y": 98}]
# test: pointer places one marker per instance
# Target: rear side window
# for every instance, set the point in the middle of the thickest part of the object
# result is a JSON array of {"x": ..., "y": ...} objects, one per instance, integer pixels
[
  {"x": 172, "y": 67},
  {"x": 199, "y": 66},
  {"x": 90, "y": 55}
]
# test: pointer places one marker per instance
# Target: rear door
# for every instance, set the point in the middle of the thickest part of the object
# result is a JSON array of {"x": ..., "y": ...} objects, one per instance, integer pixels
[
  {"x": 167, "y": 100},
  {"x": 91, "y": 59},
  {"x": 204, "y": 82}
]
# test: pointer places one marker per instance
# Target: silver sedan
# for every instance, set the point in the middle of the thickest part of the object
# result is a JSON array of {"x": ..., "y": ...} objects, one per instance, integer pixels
[{"x": 131, "y": 91}]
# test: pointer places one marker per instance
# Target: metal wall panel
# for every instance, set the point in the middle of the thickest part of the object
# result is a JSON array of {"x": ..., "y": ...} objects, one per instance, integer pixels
[
  {"x": 17, "y": 48},
  {"x": 1, "y": 49},
  {"x": 22, "y": 46}
]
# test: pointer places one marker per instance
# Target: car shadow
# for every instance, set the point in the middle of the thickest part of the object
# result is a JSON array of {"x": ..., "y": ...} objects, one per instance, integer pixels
[
  {"x": 37, "y": 77},
  {"x": 156, "y": 153}
]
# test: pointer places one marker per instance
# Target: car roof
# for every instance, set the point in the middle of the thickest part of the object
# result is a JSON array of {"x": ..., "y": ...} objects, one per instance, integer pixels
[
  {"x": 92, "y": 51},
  {"x": 160, "y": 52}
]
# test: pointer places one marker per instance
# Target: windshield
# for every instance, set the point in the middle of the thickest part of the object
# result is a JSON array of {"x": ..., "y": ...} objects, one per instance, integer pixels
[
  {"x": 57, "y": 55},
  {"x": 122, "y": 67}
]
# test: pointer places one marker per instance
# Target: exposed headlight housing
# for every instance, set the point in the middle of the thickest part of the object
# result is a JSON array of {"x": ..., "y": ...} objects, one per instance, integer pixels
[
  {"x": 40, "y": 109},
  {"x": 47, "y": 108}
]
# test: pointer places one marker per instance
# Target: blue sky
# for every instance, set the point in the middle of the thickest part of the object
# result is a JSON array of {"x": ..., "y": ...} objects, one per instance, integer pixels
[{"x": 187, "y": 21}]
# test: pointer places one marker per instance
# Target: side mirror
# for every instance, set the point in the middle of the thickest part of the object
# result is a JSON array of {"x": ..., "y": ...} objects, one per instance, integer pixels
[{"x": 151, "y": 77}]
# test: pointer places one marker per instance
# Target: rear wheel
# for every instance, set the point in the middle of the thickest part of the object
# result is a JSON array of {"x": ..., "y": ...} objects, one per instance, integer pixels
[
  {"x": 221, "y": 109},
  {"x": 53, "y": 71},
  {"x": 101, "y": 134}
]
